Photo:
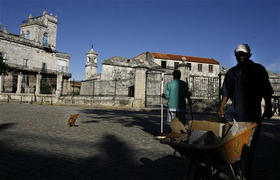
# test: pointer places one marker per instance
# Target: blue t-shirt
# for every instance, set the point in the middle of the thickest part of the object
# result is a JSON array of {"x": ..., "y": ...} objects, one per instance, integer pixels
[{"x": 175, "y": 92}]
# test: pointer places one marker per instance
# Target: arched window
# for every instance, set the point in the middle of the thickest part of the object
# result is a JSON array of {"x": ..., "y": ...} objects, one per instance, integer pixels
[
  {"x": 27, "y": 35},
  {"x": 45, "y": 40}
]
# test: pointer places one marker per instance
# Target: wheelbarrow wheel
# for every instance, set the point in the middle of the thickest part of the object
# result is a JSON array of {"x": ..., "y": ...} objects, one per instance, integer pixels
[
  {"x": 201, "y": 173},
  {"x": 240, "y": 175}
]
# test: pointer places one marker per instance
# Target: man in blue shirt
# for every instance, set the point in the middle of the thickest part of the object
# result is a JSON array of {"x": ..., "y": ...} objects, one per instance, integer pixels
[{"x": 175, "y": 92}]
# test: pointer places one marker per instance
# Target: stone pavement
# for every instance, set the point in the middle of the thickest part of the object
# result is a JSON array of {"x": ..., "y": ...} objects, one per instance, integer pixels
[{"x": 36, "y": 143}]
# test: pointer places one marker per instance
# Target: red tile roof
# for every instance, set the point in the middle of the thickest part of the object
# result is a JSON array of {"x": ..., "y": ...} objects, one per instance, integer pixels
[
  {"x": 179, "y": 58},
  {"x": 189, "y": 58}
]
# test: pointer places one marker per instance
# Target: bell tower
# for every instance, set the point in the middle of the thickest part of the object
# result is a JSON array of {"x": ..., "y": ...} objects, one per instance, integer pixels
[
  {"x": 91, "y": 64},
  {"x": 41, "y": 29}
]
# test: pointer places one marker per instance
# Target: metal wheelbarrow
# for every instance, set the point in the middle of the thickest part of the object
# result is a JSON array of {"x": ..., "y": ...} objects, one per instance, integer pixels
[{"x": 217, "y": 160}]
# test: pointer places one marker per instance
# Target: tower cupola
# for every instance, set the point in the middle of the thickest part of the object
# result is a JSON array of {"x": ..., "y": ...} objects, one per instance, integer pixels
[{"x": 91, "y": 63}]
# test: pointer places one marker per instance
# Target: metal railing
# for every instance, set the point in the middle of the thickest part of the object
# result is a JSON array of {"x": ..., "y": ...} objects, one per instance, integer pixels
[
  {"x": 204, "y": 87},
  {"x": 36, "y": 69}
]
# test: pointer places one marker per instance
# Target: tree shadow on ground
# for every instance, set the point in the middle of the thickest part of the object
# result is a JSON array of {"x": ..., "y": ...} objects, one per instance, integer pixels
[
  {"x": 115, "y": 161},
  {"x": 6, "y": 126},
  {"x": 267, "y": 159},
  {"x": 149, "y": 122}
]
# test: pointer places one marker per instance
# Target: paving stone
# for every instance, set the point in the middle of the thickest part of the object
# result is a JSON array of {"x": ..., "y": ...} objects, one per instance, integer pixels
[{"x": 36, "y": 143}]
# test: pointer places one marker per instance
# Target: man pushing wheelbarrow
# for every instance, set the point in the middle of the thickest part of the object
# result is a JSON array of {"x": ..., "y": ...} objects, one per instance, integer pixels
[{"x": 246, "y": 84}]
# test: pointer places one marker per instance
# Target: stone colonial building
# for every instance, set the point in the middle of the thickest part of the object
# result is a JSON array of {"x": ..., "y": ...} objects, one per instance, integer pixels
[
  {"x": 197, "y": 66},
  {"x": 35, "y": 66},
  {"x": 141, "y": 78}
]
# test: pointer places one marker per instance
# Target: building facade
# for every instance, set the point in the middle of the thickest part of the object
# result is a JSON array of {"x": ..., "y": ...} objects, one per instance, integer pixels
[
  {"x": 142, "y": 77},
  {"x": 198, "y": 66},
  {"x": 34, "y": 63}
]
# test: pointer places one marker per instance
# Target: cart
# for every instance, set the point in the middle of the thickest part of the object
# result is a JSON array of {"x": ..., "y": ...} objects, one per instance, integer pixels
[{"x": 214, "y": 161}]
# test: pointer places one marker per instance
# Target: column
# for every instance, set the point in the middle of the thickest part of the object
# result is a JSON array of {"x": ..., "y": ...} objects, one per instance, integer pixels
[
  {"x": 185, "y": 71},
  {"x": 222, "y": 75},
  {"x": 38, "y": 83},
  {"x": 140, "y": 87},
  {"x": 19, "y": 82},
  {"x": 59, "y": 84},
  {"x": 2, "y": 82}
]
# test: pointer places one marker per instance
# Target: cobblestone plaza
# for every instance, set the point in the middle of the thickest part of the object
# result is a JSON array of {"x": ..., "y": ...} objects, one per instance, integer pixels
[{"x": 36, "y": 143}]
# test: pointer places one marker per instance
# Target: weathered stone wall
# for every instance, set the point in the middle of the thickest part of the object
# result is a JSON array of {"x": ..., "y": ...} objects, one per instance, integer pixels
[
  {"x": 106, "y": 88},
  {"x": 27, "y": 98},
  {"x": 87, "y": 88},
  {"x": 111, "y": 72},
  {"x": 275, "y": 83},
  {"x": 201, "y": 106},
  {"x": 38, "y": 26},
  {"x": 15, "y": 54},
  {"x": 97, "y": 101}
]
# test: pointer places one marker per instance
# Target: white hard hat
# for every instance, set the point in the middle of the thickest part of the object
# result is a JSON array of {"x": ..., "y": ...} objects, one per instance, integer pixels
[{"x": 242, "y": 48}]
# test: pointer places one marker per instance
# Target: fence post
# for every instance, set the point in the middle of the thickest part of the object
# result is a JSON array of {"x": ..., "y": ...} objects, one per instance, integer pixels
[
  {"x": 140, "y": 87},
  {"x": 161, "y": 104},
  {"x": 19, "y": 83},
  {"x": 59, "y": 84},
  {"x": 38, "y": 83},
  {"x": 73, "y": 84},
  {"x": 2, "y": 82}
]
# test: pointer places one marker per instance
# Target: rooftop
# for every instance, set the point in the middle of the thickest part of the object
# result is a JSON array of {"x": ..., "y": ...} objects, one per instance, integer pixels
[{"x": 181, "y": 57}]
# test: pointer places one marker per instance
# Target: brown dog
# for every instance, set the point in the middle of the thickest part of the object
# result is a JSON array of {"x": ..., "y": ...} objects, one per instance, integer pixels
[{"x": 72, "y": 120}]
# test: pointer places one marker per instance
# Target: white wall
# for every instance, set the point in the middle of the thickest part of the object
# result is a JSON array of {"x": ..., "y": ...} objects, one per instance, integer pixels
[
  {"x": 15, "y": 53},
  {"x": 194, "y": 68}
]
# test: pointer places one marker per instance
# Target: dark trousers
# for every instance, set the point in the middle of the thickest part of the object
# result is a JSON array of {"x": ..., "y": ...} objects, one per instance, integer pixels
[{"x": 248, "y": 153}]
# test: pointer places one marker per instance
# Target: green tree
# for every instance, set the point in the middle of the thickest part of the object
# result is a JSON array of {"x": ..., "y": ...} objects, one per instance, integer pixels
[
  {"x": 3, "y": 66},
  {"x": 45, "y": 87}
]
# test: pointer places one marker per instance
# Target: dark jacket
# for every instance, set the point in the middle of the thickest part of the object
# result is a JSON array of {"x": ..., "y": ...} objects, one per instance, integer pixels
[{"x": 246, "y": 84}]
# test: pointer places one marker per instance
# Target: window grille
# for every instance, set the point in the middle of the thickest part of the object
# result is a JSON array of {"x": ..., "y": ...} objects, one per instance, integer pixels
[{"x": 199, "y": 68}]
